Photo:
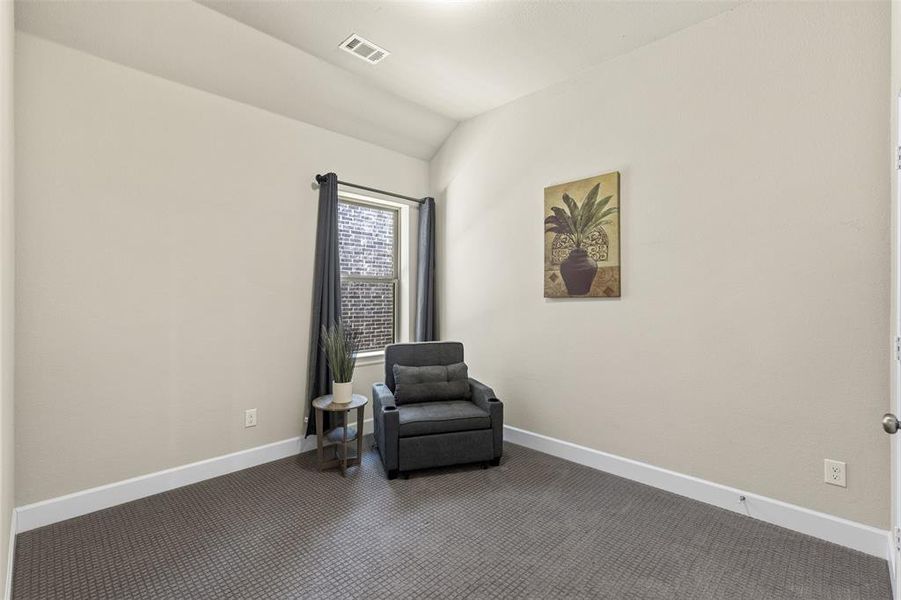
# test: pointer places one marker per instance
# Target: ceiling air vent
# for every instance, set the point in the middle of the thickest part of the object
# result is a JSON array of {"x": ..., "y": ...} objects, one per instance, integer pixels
[{"x": 364, "y": 49}]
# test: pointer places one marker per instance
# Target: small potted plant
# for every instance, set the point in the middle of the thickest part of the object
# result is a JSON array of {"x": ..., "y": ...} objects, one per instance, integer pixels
[
  {"x": 340, "y": 346},
  {"x": 579, "y": 269}
]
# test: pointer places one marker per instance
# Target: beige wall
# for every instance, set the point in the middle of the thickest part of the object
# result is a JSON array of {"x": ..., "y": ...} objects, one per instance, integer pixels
[
  {"x": 7, "y": 281},
  {"x": 164, "y": 268},
  {"x": 751, "y": 338}
]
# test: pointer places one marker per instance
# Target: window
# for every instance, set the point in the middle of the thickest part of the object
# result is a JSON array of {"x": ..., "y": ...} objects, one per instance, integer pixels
[{"x": 368, "y": 247}]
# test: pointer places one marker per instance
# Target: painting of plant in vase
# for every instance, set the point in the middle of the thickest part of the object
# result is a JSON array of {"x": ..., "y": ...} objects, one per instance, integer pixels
[{"x": 581, "y": 238}]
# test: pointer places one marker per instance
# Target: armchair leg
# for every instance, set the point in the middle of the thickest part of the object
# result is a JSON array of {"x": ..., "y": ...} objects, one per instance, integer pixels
[
  {"x": 392, "y": 474},
  {"x": 496, "y": 461}
]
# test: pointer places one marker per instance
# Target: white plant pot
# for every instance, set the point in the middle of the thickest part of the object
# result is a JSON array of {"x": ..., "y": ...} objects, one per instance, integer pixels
[{"x": 342, "y": 392}]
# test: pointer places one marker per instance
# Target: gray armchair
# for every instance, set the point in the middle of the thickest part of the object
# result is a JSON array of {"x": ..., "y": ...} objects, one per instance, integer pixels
[{"x": 435, "y": 432}]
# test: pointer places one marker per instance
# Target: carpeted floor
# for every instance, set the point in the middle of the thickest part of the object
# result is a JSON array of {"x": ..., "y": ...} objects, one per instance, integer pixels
[{"x": 535, "y": 527}]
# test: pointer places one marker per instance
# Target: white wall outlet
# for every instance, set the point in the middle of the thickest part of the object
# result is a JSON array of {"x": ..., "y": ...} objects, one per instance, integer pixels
[
  {"x": 835, "y": 472},
  {"x": 250, "y": 417}
]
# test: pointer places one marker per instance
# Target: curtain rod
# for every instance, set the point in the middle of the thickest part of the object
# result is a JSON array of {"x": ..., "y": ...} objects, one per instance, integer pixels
[{"x": 320, "y": 179}]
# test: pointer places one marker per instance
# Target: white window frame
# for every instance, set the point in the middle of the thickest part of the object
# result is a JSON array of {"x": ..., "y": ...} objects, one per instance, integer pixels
[{"x": 401, "y": 268}]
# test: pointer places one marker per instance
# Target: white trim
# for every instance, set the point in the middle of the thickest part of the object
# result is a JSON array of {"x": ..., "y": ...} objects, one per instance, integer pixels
[
  {"x": 371, "y": 357},
  {"x": 10, "y": 557},
  {"x": 405, "y": 289},
  {"x": 87, "y": 501},
  {"x": 797, "y": 518},
  {"x": 381, "y": 201},
  {"x": 892, "y": 564},
  {"x": 867, "y": 539},
  {"x": 895, "y": 400}
]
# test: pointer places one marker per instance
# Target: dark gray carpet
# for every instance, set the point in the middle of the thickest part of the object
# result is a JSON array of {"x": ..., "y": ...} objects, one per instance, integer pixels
[{"x": 535, "y": 527}]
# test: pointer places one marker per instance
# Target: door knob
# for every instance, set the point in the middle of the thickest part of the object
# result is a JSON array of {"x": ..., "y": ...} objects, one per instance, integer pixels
[{"x": 890, "y": 423}]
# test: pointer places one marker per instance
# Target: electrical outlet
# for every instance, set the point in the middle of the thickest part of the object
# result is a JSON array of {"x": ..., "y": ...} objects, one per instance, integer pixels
[
  {"x": 250, "y": 417},
  {"x": 835, "y": 472}
]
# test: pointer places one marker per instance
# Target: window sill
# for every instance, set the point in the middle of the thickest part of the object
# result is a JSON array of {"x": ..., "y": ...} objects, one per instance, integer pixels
[{"x": 372, "y": 357}]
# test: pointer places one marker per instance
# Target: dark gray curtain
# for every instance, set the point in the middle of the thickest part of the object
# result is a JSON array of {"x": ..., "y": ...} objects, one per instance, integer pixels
[
  {"x": 426, "y": 318},
  {"x": 326, "y": 293}
]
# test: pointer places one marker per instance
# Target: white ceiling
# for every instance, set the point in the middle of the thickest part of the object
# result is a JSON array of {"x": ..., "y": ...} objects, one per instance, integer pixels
[
  {"x": 450, "y": 60},
  {"x": 461, "y": 59},
  {"x": 185, "y": 42}
]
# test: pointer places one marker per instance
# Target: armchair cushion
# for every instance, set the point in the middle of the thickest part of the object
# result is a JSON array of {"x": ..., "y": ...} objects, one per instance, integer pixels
[
  {"x": 427, "y": 418},
  {"x": 432, "y": 383},
  {"x": 420, "y": 354}
]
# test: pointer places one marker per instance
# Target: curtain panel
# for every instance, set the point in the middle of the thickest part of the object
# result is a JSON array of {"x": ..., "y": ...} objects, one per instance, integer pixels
[
  {"x": 426, "y": 317},
  {"x": 326, "y": 295}
]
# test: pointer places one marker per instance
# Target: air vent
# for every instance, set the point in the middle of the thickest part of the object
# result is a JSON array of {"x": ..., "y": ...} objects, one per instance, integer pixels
[{"x": 364, "y": 49}]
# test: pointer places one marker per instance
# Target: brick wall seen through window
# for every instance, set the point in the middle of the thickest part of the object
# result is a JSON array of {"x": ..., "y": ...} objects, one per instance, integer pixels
[{"x": 367, "y": 246}]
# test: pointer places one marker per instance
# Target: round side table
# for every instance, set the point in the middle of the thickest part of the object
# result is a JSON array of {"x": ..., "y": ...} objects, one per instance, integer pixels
[{"x": 341, "y": 435}]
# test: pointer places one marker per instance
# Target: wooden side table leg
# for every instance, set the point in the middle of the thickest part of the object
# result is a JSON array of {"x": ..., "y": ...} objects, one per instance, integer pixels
[
  {"x": 319, "y": 436},
  {"x": 360, "y": 436},
  {"x": 344, "y": 446}
]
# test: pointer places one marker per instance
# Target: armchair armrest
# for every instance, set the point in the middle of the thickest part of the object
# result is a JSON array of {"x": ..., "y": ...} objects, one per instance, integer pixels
[
  {"x": 485, "y": 398},
  {"x": 382, "y": 396},
  {"x": 386, "y": 426}
]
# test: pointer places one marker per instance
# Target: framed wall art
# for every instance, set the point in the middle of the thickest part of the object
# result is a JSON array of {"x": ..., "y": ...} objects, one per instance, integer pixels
[{"x": 581, "y": 238}]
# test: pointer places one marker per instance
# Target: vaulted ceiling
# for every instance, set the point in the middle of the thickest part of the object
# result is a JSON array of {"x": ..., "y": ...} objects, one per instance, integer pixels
[
  {"x": 450, "y": 61},
  {"x": 461, "y": 59}
]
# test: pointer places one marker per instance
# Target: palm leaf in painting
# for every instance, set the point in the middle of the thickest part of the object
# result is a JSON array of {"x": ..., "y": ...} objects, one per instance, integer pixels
[{"x": 578, "y": 221}]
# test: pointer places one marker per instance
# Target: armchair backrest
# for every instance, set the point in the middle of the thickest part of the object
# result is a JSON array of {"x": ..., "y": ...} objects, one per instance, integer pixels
[{"x": 420, "y": 354}]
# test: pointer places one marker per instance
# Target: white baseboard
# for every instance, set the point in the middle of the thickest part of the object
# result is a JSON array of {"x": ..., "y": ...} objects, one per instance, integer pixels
[
  {"x": 871, "y": 540},
  {"x": 850, "y": 534},
  {"x": 10, "y": 556},
  {"x": 50, "y": 511}
]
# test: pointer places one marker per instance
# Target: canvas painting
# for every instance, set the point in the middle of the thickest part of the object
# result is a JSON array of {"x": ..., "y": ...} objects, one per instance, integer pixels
[{"x": 581, "y": 238}]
